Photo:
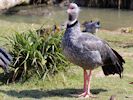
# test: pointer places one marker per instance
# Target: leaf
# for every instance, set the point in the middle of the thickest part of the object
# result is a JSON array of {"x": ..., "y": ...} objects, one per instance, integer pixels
[
  {"x": 15, "y": 73},
  {"x": 44, "y": 76},
  {"x": 25, "y": 68},
  {"x": 25, "y": 58}
]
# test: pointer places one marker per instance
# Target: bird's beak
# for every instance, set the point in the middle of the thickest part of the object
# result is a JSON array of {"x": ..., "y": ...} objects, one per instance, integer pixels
[{"x": 68, "y": 11}]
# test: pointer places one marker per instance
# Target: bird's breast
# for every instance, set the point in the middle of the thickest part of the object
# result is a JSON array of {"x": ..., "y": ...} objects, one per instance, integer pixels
[{"x": 84, "y": 58}]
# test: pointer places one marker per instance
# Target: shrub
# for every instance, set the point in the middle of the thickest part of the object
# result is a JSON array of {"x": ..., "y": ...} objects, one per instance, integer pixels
[{"x": 36, "y": 54}]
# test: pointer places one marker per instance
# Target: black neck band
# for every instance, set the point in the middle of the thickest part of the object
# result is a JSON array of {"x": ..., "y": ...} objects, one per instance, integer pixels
[{"x": 69, "y": 26}]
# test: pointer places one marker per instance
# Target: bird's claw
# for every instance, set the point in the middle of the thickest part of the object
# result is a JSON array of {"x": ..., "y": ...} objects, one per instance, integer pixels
[
  {"x": 85, "y": 95},
  {"x": 82, "y": 94}
]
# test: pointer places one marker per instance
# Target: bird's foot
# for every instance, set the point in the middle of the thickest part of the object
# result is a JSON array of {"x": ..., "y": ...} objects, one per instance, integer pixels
[
  {"x": 82, "y": 94},
  {"x": 85, "y": 95}
]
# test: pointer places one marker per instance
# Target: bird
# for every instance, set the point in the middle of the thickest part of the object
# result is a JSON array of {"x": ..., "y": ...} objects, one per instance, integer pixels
[
  {"x": 91, "y": 27},
  {"x": 88, "y": 51},
  {"x": 5, "y": 60},
  {"x": 45, "y": 31}
]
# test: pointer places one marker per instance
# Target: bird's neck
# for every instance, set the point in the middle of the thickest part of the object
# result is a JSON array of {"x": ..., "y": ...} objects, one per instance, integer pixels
[
  {"x": 73, "y": 30},
  {"x": 72, "y": 23}
]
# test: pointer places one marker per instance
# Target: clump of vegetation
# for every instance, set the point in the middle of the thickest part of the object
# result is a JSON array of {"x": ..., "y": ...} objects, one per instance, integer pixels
[
  {"x": 127, "y": 30},
  {"x": 36, "y": 54}
]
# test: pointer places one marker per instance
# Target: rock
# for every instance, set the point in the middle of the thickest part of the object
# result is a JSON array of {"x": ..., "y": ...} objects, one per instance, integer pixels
[{"x": 5, "y": 4}]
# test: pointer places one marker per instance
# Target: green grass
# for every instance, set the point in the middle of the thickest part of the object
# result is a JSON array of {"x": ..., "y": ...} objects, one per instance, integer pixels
[
  {"x": 7, "y": 28},
  {"x": 67, "y": 85}
]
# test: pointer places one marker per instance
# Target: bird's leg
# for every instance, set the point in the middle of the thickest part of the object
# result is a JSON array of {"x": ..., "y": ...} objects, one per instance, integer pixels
[
  {"x": 88, "y": 85},
  {"x": 87, "y": 79},
  {"x": 85, "y": 85}
]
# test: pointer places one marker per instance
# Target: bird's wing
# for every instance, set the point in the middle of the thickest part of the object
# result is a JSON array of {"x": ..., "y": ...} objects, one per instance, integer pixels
[
  {"x": 112, "y": 61},
  {"x": 107, "y": 53},
  {"x": 92, "y": 48},
  {"x": 90, "y": 42}
]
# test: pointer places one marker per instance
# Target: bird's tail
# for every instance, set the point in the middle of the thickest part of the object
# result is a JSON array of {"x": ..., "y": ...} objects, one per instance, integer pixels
[
  {"x": 116, "y": 67},
  {"x": 5, "y": 60}
]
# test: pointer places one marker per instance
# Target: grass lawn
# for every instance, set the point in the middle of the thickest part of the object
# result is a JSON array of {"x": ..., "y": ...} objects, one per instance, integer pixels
[{"x": 67, "y": 85}]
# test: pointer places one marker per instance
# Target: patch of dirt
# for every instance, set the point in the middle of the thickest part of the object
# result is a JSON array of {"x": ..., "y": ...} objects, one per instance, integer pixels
[
  {"x": 99, "y": 74},
  {"x": 129, "y": 75},
  {"x": 126, "y": 30},
  {"x": 127, "y": 54}
]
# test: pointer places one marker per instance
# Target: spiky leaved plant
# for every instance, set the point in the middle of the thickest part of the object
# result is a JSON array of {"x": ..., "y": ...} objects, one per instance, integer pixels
[{"x": 36, "y": 54}]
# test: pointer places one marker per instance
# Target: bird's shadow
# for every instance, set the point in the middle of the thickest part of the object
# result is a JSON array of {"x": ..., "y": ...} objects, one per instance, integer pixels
[{"x": 38, "y": 94}]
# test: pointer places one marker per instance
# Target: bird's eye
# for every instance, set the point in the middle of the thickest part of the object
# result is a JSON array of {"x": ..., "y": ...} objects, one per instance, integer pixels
[{"x": 71, "y": 7}]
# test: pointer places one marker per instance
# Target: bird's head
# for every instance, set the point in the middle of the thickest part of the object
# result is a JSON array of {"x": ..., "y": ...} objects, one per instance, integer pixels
[
  {"x": 97, "y": 24},
  {"x": 91, "y": 27},
  {"x": 73, "y": 12}
]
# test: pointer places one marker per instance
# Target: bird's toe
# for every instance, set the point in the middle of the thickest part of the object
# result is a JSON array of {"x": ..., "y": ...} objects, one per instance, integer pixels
[{"x": 82, "y": 94}]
